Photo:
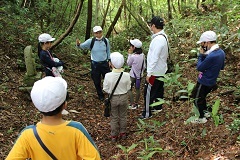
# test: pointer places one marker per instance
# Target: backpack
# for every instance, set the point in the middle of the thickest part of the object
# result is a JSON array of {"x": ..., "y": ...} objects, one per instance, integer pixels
[{"x": 93, "y": 41}]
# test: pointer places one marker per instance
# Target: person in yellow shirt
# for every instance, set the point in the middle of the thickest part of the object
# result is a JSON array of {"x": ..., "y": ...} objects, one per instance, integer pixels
[{"x": 53, "y": 137}]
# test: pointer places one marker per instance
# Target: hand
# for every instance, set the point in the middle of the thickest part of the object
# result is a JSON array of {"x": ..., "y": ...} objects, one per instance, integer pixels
[
  {"x": 130, "y": 51},
  {"x": 147, "y": 79},
  {"x": 78, "y": 42}
]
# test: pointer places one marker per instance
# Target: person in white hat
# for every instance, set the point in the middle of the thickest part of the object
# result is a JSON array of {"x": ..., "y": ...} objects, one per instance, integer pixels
[
  {"x": 136, "y": 60},
  {"x": 64, "y": 139},
  {"x": 210, "y": 62},
  {"x": 100, "y": 57},
  {"x": 52, "y": 65},
  {"x": 119, "y": 101}
]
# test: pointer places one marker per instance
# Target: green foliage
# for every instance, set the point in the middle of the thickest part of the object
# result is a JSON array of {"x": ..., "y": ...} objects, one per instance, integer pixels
[
  {"x": 171, "y": 81},
  {"x": 218, "y": 119},
  {"x": 149, "y": 126},
  {"x": 196, "y": 115},
  {"x": 151, "y": 147},
  {"x": 234, "y": 127},
  {"x": 126, "y": 150}
]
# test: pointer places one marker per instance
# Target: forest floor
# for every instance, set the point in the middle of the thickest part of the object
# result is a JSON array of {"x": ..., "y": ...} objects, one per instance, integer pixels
[{"x": 167, "y": 128}]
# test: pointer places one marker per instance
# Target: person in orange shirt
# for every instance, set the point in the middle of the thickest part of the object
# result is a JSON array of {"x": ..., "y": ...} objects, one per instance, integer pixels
[{"x": 53, "y": 137}]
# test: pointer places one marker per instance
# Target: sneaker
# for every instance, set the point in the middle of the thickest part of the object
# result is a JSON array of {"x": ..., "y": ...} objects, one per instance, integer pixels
[
  {"x": 207, "y": 114},
  {"x": 155, "y": 111},
  {"x": 101, "y": 98},
  {"x": 199, "y": 120},
  {"x": 133, "y": 106},
  {"x": 143, "y": 117}
]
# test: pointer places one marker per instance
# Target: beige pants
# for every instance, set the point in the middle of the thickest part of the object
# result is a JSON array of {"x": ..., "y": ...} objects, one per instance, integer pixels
[{"x": 118, "y": 122}]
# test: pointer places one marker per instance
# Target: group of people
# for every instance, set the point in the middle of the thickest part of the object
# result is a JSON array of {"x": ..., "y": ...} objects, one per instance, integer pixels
[{"x": 60, "y": 139}]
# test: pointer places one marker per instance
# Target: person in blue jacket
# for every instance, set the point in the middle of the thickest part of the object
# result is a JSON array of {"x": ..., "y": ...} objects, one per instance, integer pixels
[
  {"x": 100, "y": 57},
  {"x": 210, "y": 62}
]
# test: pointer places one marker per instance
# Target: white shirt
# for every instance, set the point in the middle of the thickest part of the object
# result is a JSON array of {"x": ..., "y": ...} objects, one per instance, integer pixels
[
  {"x": 111, "y": 78},
  {"x": 157, "y": 55}
]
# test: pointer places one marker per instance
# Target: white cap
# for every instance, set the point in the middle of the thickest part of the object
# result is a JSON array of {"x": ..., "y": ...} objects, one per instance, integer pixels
[
  {"x": 117, "y": 59},
  {"x": 136, "y": 43},
  {"x": 45, "y": 38},
  {"x": 207, "y": 36},
  {"x": 49, "y": 93},
  {"x": 97, "y": 28}
]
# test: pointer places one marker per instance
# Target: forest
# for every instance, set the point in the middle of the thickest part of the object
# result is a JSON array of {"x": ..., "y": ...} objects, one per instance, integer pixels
[{"x": 168, "y": 134}]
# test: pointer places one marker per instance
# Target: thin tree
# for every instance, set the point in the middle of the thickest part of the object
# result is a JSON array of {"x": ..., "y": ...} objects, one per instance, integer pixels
[
  {"x": 69, "y": 29},
  {"x": 89, "y": 20},
  {"x": 115, "y": 19},
  {"x": 105, "y": 14}
]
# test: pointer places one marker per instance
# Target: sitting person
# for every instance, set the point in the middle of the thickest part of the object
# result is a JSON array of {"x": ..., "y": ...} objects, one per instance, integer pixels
[
  {"x": 119, "y": 100},
  {"x": 63, "y": 139}
]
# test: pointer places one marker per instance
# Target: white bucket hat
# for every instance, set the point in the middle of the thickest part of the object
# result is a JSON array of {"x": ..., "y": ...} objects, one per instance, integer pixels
[
  {"x": 49, "y": 93},
  {"x": 136, "y": 43},
  {"x": 97, "y": 28},
  {"x": 117, "y": 59},
  {"x": 45, "y": 38}
]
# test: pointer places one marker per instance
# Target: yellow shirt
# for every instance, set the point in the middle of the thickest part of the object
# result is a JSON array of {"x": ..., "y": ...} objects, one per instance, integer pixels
[{"x": 68, "y": 141}]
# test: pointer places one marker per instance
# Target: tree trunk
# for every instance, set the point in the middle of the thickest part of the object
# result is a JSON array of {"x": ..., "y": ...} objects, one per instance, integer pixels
[
  {"x": 139, "y": 23},
  {"x": 151, "y": 6},
  {"x": 96, "y": 20},
  {"x": 69, "y": 29},
  {"x": 223, "y": 14},
  {"x": 115, "y": 19},
  {"x": 89, "y": 20},
  {"x": 105, "y": 14},
  {"x": 169, "y": 10}
]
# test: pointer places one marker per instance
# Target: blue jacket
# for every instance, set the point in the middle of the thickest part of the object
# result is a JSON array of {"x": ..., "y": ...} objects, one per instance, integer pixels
[
  {"x": 210, "y": 66},
  {"x": 99, "y": 52}
]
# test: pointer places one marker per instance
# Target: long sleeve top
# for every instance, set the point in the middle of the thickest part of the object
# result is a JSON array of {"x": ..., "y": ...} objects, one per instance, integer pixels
[
  {"x": 137, "y": 64},
  {"x": 99, "y": 52},
  {"x": 210, "y": 66},
  {"x": 47, "y": 61},
  {"x": 157, "y": 55},
  {"x": 111, "y": 78}
]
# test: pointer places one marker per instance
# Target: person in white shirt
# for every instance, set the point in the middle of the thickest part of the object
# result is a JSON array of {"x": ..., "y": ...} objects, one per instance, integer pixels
[
  {"x": 156, "y": 67},
  {"x": 119, "y": 100}
]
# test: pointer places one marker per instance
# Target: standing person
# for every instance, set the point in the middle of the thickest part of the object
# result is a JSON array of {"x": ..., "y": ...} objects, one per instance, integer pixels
[
  {"x": 119, "y": 101},
  {"x": 100, "y": 57},
  {"x": 156, "y": 67},
  {"x": 52, "y": 66},
  {"x": 64, "y": 139},
  {"x": 136, "y": 60},
  {"x": 210, "y": 62}
]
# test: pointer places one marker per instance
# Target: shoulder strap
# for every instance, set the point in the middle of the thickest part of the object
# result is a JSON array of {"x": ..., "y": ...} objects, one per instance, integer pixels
[
  {"x": 42, "y": 144},
  {"x": 115, "y": 86},
  {"x": 93, "y": 41},
  {"x": 167, "y": 44}
]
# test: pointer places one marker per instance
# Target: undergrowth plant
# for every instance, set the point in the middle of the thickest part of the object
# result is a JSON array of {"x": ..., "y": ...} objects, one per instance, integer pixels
[
  {"x": 151, "y": 147},
  {"x": 218, "y": 119},
  {"x": 171, "y": 81},
  {"x": 126, "y": 151},
  {"x": 149, "y": 126}
]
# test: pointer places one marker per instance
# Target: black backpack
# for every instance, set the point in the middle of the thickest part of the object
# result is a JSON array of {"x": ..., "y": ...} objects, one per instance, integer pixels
[{"x": 93, "y": 41}]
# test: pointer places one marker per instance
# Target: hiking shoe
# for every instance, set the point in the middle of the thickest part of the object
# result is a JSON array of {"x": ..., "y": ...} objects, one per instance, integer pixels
[
  {"x": 199, "y": 120},
  {"x": 143, "y": 117},
  {"x": 135, "y": 106},
  {"x": 114, "y": 139},
  {"x": 155, "y": 111},
  {"x": 207, "y": 114},
  {"x": 123, "y": 135}
]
